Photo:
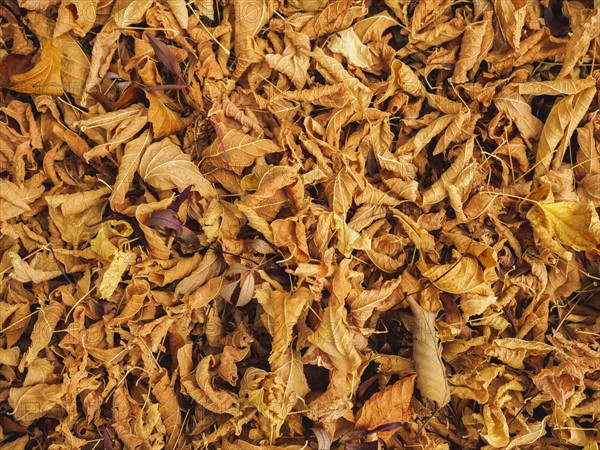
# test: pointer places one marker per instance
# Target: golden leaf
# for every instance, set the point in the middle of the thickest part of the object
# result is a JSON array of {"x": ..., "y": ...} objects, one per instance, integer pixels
[
  {"x": 75, "y": 63},
  {"x": 333, "y": 338},
  {"x": 44, "y": 77},
  {"x": 78, "y": 216}
]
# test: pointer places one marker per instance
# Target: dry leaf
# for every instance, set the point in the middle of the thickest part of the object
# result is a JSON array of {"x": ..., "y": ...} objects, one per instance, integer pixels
[
  {"x": 164, "y": 166},
  {"x": 44, "y": 77},
  {"x": 571, "y": 224},
  {"x": 387, "y": 406},
  {"x": 333, "y": 338},
  {"x": 431, "y": 373}
]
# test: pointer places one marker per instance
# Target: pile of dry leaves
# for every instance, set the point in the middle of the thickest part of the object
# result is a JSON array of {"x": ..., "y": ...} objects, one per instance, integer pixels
[{"x": 390, "y": 237}]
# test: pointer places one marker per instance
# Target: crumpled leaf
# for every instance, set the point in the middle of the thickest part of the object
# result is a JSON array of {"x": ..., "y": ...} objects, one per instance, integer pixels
[
  {"x": 570, "y": 224},
  {"x": 558, "y": 129},
  {"x": 347, "y": 43},
  {"x": 78, "y": 216},
  {"x": 333, "y": 338},
  {"x": 35, "y": 402},
  {"x": 48, "y": 318}
]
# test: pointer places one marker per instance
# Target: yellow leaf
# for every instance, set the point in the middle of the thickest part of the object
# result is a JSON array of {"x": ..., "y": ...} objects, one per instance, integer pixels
[
  {"x": 496, "y": 426},
  {"x": 463, "y": 276},
  {"x": 44, "y": 77},
  {"x": 571, "y": 224},
  {"x": 286, "y": 311}
]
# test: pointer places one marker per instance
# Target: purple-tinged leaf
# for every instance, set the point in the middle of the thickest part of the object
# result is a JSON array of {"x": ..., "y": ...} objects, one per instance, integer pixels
[
  {"x": 177, "y": 203},
  {"x": 189, "y": 237},
  {"x": 166, "y": 220},
  {"x": 106, "y": 439},
  {"x": 363, "y": 446},
  {"x": 166, "y": 56}
]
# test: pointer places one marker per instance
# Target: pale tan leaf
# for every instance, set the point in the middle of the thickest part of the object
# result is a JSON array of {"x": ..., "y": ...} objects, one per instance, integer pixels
[
  {"x": 558, "y": 129},
  {"x": 26, "y": 272},
  {"x": 15, "y": 200},
  {"x": 78, "y": 16},
  {"x": 417, "y": 234},
  {"x": 286, "y": 311},
  {"x": 337, "y": 15},
  {"x": 165, "y": 166},
  {"x": 48, "y": 317},
  {"x": 530, "y": 435},
  {"x": 431, "y": 373},
  {"x": 129, "y": 12},
  {"x": 475, "y": 44},
  {"x": 556, "y": 87},
  {"x": 519, "y": 111},
  {"x": 348, "y": 44},
  {"x": 127, "y": 167},
  {"x": 237, "y": 150},
  {"x": 295, "y": 59},
  {"x": 511, "y": 15},
  {"x": 34, "y": 402},
  {"x": 579, "y": 42}
]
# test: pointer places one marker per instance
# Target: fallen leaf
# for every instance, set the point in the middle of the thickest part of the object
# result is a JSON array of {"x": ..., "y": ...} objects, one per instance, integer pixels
[{"x": 44, "y": 77}]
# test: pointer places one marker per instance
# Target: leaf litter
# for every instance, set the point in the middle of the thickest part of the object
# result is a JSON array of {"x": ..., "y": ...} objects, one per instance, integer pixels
[{"x": 299, "y": 224}]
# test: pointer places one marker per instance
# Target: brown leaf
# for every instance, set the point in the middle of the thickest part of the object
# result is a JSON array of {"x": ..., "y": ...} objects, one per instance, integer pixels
[
  {"x": 558, "y": 129},
  {"x": 388, "y": 405}
]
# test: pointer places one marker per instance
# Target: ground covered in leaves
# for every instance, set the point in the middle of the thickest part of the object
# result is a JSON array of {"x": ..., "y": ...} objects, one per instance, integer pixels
[{"x": 253, "y": 224}]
